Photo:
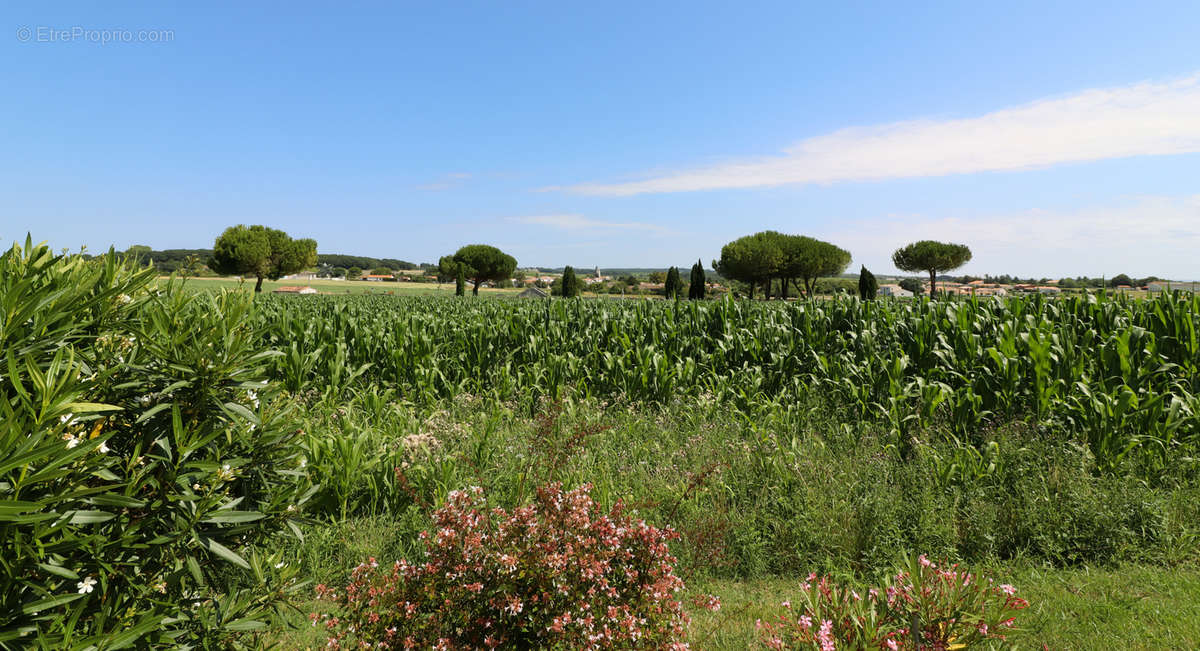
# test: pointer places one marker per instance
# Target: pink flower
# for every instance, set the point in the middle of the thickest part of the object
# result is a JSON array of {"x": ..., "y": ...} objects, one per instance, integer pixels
[
  {"x": 891, "y": 644},
  {"x": 825, "y": 636},
  {"x": 1008, "y": 589}
]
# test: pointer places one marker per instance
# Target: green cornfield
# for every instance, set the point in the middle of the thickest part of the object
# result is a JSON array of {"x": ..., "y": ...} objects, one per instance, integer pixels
[{"x": 1119, "y": 375}]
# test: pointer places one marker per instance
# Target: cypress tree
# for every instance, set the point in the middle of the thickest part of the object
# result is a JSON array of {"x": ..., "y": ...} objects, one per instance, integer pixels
[
  {"x": 570, "y": 284},
  {"x": 460, "y": 283},
  {"x": 673, "y": 283},
  {"x": 696, "y": 288},
  {"x": 867, "y": 285}
]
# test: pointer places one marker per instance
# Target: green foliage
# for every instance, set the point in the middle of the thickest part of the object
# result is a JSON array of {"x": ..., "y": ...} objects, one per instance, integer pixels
[
  {"x": 480, "y": 263},
  {"x": 1121, "y": 279},
  {"x": 867, "y": 285},
  {"x": 762, "y": 257},
  {"x": 697, "y": 285},
  {"x": 673, "y": 285},
  {"x": 568, "y": 285},
  {"x": 913, "y": 285},
  {"x": 1120, "y": 376},
  {"x": 931, "y": 256},
  {"x": 141, "y": 461},
  {"x": 262, "y": 252},
  {"x": 460, "y": 282},
  {"x": 353, "y": 273}
]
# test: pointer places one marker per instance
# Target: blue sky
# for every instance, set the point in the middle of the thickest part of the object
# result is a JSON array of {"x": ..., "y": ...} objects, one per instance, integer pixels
[{"x": 1054, "y": 141}]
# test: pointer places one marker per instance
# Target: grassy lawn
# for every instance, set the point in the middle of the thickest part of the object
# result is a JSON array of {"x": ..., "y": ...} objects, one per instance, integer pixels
[{"x": 1129, "y": 607}]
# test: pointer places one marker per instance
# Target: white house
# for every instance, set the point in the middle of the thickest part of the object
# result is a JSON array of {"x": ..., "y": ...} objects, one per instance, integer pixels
[{"x": 894, "y": 291}]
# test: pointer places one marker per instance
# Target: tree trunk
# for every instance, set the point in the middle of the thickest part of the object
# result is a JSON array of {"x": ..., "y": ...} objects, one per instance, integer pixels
[
  {"x": 752, "y": 291},
  {"x": 783, "y": 288},
  {"x": 932, "y": 283},
  {"x": 475, "y": 288},
  {"x": 258, "y": 285}
]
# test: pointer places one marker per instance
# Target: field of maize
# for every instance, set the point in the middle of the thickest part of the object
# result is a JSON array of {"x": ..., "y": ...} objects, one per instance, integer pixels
[{"x": 1123, "y": 376}]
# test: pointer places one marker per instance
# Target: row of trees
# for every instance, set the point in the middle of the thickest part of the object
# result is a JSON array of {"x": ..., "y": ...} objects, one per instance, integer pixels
[
  {"x": 766, "y": 257},
  {"x": 761, "y": 258}
]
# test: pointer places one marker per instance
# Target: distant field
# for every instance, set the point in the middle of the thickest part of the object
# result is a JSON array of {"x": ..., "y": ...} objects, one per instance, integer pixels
[{"x": 341, "y": 286}]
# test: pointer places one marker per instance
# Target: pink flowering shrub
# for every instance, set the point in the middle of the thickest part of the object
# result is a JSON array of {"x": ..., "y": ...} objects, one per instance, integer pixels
[
  {"x": 556, "y": 573},
  {"x": 951, "y": 608}
]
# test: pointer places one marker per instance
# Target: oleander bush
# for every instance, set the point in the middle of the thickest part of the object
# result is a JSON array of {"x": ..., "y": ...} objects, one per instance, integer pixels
[{"x": 142, "y": 464}]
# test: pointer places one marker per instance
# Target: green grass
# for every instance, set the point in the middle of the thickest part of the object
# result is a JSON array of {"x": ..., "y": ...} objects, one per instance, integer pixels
[
  {"x": 1127, "y": 607},
  {"x": 795, "y": 493}
]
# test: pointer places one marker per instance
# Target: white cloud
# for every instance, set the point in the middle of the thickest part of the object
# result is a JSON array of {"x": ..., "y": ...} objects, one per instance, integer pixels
[
  {"x": 1149, "y": 118},
  {"x": 1140, "y": 236},
  {"x": 570, "y": 222}
]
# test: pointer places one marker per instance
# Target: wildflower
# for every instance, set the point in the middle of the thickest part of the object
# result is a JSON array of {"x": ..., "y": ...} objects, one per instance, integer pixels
[
  {"x": 86, "y": 585},
  {"x": 1008, "y": 589},
  {"x": 253, "y": 396},
  {"x": 66, "y": 418},
  {"x": 983, "y": 629},
  {"x": 71, "y": 442},
  {"x": 805, "y": 622},
  {"x": 279, "y": 564},
  {"x": 103, "y": 447},
  {"x": 825, "y": 636},
  {"x": 891, "y": 644},
  {"x": 924, "y": 561},
  {"x": 161, "y": 586},
  {"x": 124, "y": 299},
  {"x": 195, "y": 487},
  {"x": 303, "y": 462},
  {"x": 292, "y": 508},
  {"x": 786, "y": 604}
]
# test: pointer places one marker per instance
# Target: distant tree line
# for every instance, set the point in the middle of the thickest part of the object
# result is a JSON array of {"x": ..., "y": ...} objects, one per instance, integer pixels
[
  {"x": 172, "y": 260},
  {"x": 1079, "y": 282}
]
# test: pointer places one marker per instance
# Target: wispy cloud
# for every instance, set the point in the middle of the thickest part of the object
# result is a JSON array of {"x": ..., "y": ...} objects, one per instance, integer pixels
[
  {"x": 446, "y": 182},
  {"x": 570, "y": 222},
  {"x": 1144, "y": 119},
  {"x": 1140, "y": 236}
]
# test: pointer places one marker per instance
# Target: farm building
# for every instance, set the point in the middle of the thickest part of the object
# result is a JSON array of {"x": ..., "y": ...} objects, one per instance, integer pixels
[
  {"x": 894, "y": 291},
  {"x": 379, "y": 277},
  {"x": 533, "y": 292},
  {"x": 287, "y": 289},
  {"x": 303, "y": 275},
  {"x": 1166, "y": 285}
]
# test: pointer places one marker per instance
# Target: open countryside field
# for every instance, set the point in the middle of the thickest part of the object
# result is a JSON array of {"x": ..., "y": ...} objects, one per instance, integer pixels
[
  {"x": 211, "y": 467},
  {"x": 342, "y": 287}
]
